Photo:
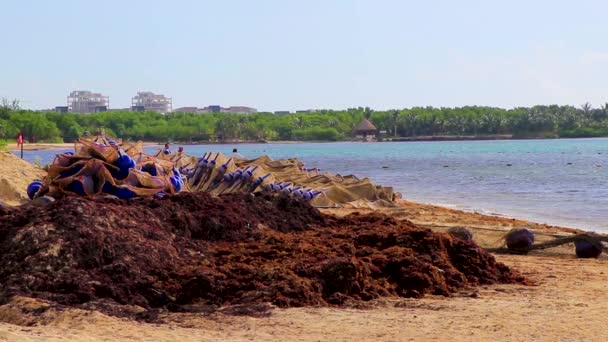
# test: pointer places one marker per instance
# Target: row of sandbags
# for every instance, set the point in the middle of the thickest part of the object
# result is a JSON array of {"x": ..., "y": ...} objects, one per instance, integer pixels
[
  {"x": 218, "y": 174},
  {"x": 103, "y": 166}
]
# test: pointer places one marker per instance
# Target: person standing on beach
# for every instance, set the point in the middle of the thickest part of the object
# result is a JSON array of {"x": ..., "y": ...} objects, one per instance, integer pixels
[
  {"x": 167, "y": 150},
  {"x": 236, "y": 154}
]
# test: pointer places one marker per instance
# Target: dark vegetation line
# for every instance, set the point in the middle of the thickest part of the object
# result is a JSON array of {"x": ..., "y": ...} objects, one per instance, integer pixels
[{"x": 325, "y": 125}]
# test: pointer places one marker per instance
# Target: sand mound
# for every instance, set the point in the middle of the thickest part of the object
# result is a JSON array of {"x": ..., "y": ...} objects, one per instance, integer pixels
[
  {"x": 189, "y": 252},
  {"x": 15, "y": 175}
]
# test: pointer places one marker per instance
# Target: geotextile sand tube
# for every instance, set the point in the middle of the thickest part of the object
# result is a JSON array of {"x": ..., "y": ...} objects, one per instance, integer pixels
[
  {"x": 519, "y": 240},
  {"x": 587, "y": 246},
  {"x": 462, "y": 233}
]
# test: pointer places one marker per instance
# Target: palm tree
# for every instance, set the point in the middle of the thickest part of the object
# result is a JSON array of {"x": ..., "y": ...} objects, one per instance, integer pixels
[
  {"x": 586, "y": 109},
  {"x": 241, "y": 122},
  {"x": 395, "y": 117},
  {"x": 10, "y": 105},
  {"x": 299, "y": 123}
]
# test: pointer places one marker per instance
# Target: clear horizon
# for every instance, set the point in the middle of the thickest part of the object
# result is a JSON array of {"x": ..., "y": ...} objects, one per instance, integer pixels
[{"x": 275, "y": 55}]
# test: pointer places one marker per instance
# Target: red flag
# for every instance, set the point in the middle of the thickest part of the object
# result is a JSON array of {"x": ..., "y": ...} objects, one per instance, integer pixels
[{"x": 20, "y": 139}]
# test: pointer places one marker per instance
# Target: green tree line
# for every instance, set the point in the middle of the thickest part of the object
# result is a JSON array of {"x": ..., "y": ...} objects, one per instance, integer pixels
[{"x": 325, "y": 125}]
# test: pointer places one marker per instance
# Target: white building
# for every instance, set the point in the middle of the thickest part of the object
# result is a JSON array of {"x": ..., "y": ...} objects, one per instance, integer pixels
[
  {"x": 148, "y": 101},
  {"x": 84, "y": 101}
]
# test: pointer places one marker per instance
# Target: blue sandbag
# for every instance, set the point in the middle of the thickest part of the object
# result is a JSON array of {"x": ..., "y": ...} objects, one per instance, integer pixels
[
  {"x": 107, "y": 188},
  {"x": 123, "y": 193},
  {"x": 177, "y": 183},
  {"x": 124, "y": 163},
  {"x": 150, "y": 168},
  {"x": 229, "y": 177},
  {"x": 290, "y": 190},
  {"x": 308, "y": 195},
  {"x": 33, "y": 188},
  {"x": 177, "y": 174},
  {"x": 585, "y": 248},
  {"x": 258, "y": 181},
  {"x": 77, "y": 188}
]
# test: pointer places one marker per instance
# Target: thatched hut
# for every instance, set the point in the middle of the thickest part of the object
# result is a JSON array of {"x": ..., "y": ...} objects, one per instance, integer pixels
[{"x": 366, "y": 130}]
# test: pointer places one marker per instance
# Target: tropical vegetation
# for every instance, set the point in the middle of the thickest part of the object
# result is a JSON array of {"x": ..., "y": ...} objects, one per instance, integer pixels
[{"x": 320, "y": 125}]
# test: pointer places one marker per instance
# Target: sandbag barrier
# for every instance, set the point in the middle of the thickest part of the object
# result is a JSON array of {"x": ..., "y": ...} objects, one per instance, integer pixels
[
  {"x": 102, "y": 166},
  {"x": 218, "y": 174},
  {"x": 521, "y": 241}
]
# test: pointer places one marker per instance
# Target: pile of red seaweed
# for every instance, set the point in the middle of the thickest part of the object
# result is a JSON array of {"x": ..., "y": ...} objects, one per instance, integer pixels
[{"x": 192, "y": 250}]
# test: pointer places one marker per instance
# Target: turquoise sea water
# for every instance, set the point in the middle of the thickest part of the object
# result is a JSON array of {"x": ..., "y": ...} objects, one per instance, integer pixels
[{"x": 562, "y": 182}]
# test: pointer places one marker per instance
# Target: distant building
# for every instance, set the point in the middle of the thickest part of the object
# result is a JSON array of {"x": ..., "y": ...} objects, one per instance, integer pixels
[
  {"x": 366, "y": 130},
  {"x": 217, "y": 109},
  {"x": 192, "y": 110},
  {"x": 151, "y": 102},
  {"x": 61, "y": 109},
  {"x": 186, "y": 109},
  {"x": 282, "y": 112},
  {"x": 304, "y": 111},
  {"x": 84, "y": 101},
  {"x": 239, "y": 110}
]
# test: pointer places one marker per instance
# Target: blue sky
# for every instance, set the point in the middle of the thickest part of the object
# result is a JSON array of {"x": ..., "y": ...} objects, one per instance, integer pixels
[{"x": 288, "y": 55}]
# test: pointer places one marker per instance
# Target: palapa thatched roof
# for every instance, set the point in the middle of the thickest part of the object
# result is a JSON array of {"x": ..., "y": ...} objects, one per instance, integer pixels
[{"x": 365, "y": 126}]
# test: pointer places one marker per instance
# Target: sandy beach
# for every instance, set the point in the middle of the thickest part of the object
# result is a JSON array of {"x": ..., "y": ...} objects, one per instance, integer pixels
[
  {"x": 39, "y": 146},
  {"x": 304, "y": 171},
  {"x": 566, "y": 303},
  {"x": 15, "y": 175}
]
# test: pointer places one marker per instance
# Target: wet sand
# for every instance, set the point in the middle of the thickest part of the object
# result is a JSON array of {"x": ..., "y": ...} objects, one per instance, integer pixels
[
  {"x": 567, "y": 303},
  {"x": 488, "y": 230}
]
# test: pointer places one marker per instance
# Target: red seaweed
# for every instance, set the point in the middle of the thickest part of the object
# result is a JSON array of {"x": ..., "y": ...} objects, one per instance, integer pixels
[{"x": 192, "y": 250}]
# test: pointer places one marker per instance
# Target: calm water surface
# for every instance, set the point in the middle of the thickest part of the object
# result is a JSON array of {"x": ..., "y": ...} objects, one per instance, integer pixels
[{"x": 561, "y": 182}]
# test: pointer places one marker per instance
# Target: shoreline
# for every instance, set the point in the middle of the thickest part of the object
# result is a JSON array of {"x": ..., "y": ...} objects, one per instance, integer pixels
[
  {"x": 442, "y": 218},
  {"x": 436, "y": 138},
  {"x": 55, "y": 146},
  {"x": 471, "y": 209},
  {"x": 549, "y": 221}
]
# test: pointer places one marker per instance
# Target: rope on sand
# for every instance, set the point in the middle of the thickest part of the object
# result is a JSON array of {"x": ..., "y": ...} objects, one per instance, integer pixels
[{"x": 587, "y": 245}]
